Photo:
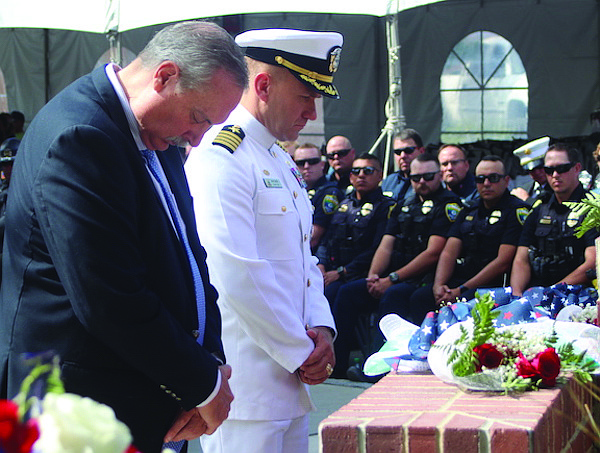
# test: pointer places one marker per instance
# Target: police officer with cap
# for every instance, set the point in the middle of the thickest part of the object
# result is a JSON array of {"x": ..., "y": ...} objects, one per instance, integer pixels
[
  {"x": 548, "y": 251},
  {"x": 531, "y": 158},
  {"x": 255, "y": 218}
]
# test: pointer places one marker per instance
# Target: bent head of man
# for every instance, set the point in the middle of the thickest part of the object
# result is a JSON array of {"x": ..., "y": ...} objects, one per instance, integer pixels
[
  {"x": 190, "y": 76},
  {"x": 289, "y": 69},
  {"x": 425, "y": 175}
]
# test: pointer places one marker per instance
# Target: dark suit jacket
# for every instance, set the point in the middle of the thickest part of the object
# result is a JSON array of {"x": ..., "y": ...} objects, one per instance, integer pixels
[{"x": 94, "y": 270}]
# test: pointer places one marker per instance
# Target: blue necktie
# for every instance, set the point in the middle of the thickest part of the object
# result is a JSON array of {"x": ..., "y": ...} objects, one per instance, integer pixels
[{"x": 153, "y": 165}]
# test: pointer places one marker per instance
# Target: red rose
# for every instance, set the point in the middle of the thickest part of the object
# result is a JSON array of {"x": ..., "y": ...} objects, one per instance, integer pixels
[
  {"x": 488, "y": 356},
  {"x": 547, "y": 364},
  {"x": 15, "y": 437},
  {"x": 9, "y": 419},
  {"x": 525, "y": 368}
]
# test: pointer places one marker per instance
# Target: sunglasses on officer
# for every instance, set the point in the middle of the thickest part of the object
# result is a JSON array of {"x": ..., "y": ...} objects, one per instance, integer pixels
[
  {"x": 309, "y": 161},
  {"x": 426, "y": 176},
  {"x": 562, "y": 168},
  {"x": 339, "y": 153},
  {"x": 366, "y": 170},
  {"x": 406, "y": 150},
  {"x": 493, "y": 177}
]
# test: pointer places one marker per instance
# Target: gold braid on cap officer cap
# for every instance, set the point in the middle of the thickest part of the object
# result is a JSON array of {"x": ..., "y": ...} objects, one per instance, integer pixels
[
  {"x": 312, "y": 74},
  {"x": 317, "y": 73}
]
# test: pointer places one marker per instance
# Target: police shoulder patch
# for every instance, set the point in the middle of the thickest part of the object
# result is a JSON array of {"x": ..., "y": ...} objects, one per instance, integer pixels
[
  {"x": 229, "y": 138},
  {"x": 452, "y": 211},
  {"x": 330, "y": 203},
  {"x": 522, "y": 214}
]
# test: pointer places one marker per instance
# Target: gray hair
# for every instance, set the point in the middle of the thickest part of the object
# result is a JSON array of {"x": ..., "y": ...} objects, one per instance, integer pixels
[{"x": 199, "y": 49}]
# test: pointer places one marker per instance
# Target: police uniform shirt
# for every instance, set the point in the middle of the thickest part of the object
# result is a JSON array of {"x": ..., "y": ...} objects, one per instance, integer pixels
[
  {"x": 528, "y": 237},
  {"x": 441, "y": 210},
  {"x": 482, "y": 231},
  {"x": 325, "y": 198},
  {"x": 416, "y": 220},
  {"x": 365, "y": 221},
  {"x": 397, "y": 186}
]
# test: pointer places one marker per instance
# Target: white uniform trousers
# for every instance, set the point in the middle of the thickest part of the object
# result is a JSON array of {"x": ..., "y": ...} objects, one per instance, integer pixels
[{"x": 252, "y": 436}]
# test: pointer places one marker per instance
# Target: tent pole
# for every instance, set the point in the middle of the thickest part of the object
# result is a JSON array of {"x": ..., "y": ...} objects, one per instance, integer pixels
[
  {"x": 114, "y": 42},
  {"x": 393, "y": 106}
]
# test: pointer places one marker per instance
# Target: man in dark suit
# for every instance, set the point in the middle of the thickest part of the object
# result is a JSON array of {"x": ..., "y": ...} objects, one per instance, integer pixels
[{"x": 99, "y": 262}]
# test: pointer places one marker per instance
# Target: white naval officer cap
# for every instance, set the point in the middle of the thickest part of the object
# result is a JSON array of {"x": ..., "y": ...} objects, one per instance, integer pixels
[
  {"x": 532, "y": 154},
  {"x": 311, "y": 56}
]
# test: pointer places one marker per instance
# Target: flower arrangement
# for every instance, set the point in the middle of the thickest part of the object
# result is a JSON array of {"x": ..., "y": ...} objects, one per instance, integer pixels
[
  {"x": 58, "y": 422},
  {"x": 510, "y": 358}
]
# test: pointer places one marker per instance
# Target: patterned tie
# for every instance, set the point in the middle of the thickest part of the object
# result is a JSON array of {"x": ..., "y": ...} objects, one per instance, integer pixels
[{"x": 153, "y": 165}]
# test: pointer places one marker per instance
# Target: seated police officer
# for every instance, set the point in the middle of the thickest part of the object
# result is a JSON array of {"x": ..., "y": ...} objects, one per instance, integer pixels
[
  {"x": 548, "y": 251},
  {"x": 482, "y": 243},
  {"x": 324, "y": 195},
  {"x": 356, "y": 227},
  {"x": 407, "y": 145},
  {"x": 405, "y": 259}
]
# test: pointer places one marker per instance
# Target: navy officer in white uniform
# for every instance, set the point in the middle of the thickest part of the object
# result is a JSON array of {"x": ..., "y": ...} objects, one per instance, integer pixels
[{"x": 254, "y": 217}]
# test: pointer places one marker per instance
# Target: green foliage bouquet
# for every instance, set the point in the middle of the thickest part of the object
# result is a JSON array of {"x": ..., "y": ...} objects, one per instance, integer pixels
[{"x": 478, "y": 356}]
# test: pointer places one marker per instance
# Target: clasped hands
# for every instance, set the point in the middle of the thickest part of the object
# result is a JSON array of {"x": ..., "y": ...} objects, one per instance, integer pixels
[
  {"x": 377, "y": 286},
  {"x": 319, "y": 364},
  {"x": 206, "y": 419},
  {"x": 443, "y": 293}
]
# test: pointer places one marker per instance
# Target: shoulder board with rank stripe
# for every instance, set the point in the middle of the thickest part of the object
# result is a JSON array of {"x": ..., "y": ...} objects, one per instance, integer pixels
[{"x": 229, "y": 138}]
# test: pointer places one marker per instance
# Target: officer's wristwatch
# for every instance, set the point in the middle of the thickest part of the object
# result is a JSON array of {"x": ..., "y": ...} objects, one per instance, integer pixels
[
  {"x": 394, "y": 278},
  {"x": 341, "y": 271}
]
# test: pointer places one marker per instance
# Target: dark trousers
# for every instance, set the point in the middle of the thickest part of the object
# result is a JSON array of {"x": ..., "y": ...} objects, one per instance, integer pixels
[{"x": 353, "y": 300}]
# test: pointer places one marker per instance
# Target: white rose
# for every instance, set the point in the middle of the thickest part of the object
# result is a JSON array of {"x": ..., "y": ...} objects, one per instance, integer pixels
[{"x": 72, "y": 424}]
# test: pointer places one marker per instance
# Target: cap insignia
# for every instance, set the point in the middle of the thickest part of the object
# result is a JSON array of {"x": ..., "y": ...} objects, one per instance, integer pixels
[{"x": 334, "y": 58}]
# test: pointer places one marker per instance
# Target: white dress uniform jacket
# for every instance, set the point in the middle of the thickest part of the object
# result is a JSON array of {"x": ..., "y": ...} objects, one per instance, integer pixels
[{"x": 255, "y": 218}]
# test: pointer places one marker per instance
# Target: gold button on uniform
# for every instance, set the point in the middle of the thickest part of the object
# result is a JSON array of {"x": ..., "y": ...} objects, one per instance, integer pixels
[
  {"x": 266, "y": 172},
  {"x": 295, "y": 194},
  {"x": 283, "y": 209},
  {"x": 308, "y": 282},
  {"x": 305, "y": 237}
]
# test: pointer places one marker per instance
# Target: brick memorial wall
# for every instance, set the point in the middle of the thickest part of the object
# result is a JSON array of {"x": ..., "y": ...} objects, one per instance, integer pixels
[{"x": 421, "y": 414}]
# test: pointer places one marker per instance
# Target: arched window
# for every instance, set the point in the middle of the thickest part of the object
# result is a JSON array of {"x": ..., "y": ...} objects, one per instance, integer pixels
[{"x": 484, "y": 91}]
